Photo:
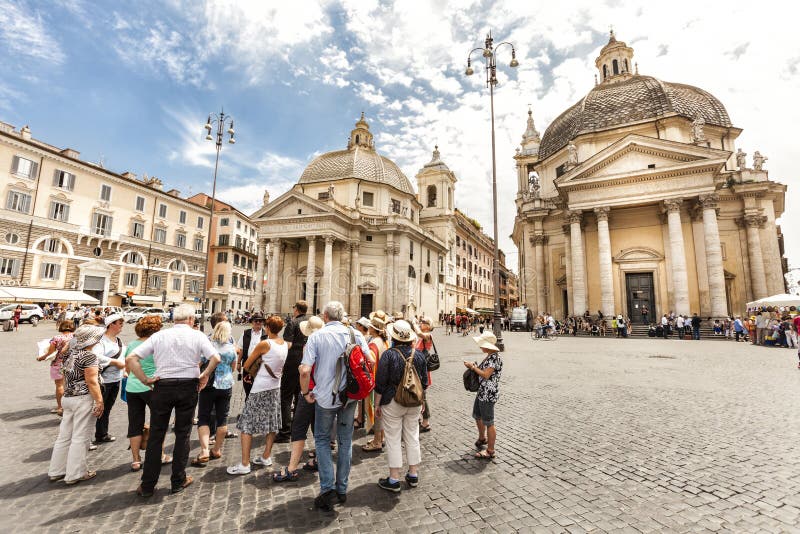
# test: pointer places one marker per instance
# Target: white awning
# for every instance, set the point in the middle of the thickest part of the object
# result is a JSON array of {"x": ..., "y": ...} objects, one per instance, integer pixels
[
  {"x": 784, "y": 299},
  {"x": 34, "y": 294}
]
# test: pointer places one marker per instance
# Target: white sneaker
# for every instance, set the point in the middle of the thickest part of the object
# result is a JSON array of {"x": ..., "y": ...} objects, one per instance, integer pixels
[
  {"x": 260, "y": 460},
  {"x": 239, "y": 469}
]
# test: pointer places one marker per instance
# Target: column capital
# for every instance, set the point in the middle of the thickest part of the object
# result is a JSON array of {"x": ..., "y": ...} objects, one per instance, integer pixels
[
  {"x": 752, "y": 220},
  {"x": 311, "y": 238},
  {"x": 539, "y": 239},
  {"x": 276, "y": 241},
  {"x": 672, "y": 205},
  {"x": 575, "y": 216},
  {"x": 329, "y": 239},
  {"x": 710, "y": 201},
  {"x": 602, "y": 213},
  {"x": 354, "y": 245}
]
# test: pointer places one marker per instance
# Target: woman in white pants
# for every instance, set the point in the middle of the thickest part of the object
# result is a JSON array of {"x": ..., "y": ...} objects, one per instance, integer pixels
[
  {"x": 82, "y": 404},
  {"x": 400, "y": 423}
]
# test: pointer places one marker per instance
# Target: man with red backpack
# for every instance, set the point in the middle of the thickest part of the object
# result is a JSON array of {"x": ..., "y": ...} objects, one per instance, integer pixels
[{"x": 334, "y": 395}]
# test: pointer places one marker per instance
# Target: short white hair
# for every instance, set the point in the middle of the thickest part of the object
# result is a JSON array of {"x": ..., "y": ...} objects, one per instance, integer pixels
[
  {"x": 334, "y": 310},
  {"x": 183, "y": 312}
]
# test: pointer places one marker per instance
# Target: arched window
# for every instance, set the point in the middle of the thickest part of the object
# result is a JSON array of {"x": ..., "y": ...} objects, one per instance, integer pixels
[
  {"x": 356, "y": 139},
  {"x": 605, "y": 71},
  {"x": 133, "y": 258},
  {"x": 625, "y": 65},
  {"x": 615, "y": 66},
  {"x": 431, "y": 196},
  {"x": 177, "y": 266},
  {"x": 411, "y": 272},
  {"x": 427, "y": 278}
]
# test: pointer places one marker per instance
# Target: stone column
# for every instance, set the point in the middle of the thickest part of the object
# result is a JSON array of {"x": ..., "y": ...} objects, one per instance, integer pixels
[
  {"x": 538, "y": 241},
  {"x": 389, "y": 274},
  {"x": 260, "y": 271},
  {"x": 355, "y": 300},
  {"x": 716, "y": 274},
  {"x": 327, "y": 271},
  {"x": 311, "y": 267},
  {"x": 275, "y": 246},
  {"x": 758, "y": 275},
  {"x": 568, "y": 261},
  {"x": 578, "y": 263},
  {"x": 280, "y": 277},
  {"x": 680, "y": 278},
  {"x": 606, "y": 270}
]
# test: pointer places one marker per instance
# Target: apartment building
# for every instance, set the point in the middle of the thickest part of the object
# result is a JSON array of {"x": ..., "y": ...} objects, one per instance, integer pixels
[
  {"x": 232, "y": 258},
  {"x": 68, "y": 224}
]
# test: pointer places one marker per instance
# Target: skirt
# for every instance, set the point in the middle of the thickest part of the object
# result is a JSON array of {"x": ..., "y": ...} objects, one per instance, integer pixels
[
  {"x": 261, "y": 413},
  {"x": 55, "y": 372}
]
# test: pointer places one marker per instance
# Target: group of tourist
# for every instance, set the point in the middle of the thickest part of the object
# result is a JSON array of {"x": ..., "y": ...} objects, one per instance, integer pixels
[
  {"x": 292, "y": 383},
  {"x": 774, "y": 326}
]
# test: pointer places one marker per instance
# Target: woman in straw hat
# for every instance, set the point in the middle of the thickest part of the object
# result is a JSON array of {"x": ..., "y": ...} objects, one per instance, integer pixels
[
  {"x": 400, "y": 423},
  {"x": 302, "y": 420},
  {"x": 488, "y": 372},
  {"x": 82, "y": 403},
  {"x": 377, "y": 343}
]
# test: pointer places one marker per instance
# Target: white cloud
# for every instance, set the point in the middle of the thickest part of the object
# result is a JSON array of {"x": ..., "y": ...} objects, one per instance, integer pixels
[{"x": 23, "y": 34}]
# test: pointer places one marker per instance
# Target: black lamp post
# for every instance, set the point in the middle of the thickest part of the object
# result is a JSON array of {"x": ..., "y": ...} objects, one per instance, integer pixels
[
  {"x": 221, "y": 121},
  {"x": 489, "y": 53}
]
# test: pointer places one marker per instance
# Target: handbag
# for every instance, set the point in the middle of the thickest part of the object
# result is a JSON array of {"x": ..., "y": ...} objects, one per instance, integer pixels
[
  {"x": 432, "y": 358},
  {"x": 472, "y": 381},
  {"x": 254, "y": 367}
]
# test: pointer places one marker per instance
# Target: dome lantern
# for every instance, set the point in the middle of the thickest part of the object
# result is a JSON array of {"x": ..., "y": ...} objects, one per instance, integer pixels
[
  {"x": 615, "y": 61},
  {"x": 360, "y": 136}
]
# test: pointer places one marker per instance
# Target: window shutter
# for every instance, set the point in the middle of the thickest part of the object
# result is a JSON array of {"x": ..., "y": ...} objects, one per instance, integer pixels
[
  {"x": 34, "y": 170},
  {"x": 56, "y": 176},
  {"x": 10, "y": 199},
  {"x": 42, "y": 271},
  {"x": 71, "y": 182},
  {"x": 26, "y": 203},
  {"x": 65, "y": 215},
  {"x": 57, "y": 271},
  {"x": 109, "y": 224},
  {"x": 15, "y": 267}
]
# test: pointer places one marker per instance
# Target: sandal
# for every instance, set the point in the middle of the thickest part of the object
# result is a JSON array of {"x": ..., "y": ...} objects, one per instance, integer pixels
[
  {"x": 215, "y": 455},
  {"x": 88, "y": 476},
  {"x": 199, "y": 461},
  {"x": 480, "y": 443},
  {"x": 284, "y": 475},
  {"x": 372, "y": 447},
  {"x": 424, "y": 428},
  {"x": 311, "y": 465},
  {"x": 166, "y": 459},
  {"x": 485, "y": 455},
  {"x": 136, "y": 466}
]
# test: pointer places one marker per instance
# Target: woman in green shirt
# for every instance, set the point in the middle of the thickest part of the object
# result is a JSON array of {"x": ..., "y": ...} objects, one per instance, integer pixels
[{"x": 137, "y": 393}]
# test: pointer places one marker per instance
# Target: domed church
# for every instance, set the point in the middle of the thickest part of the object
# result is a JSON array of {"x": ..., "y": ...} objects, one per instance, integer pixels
[
  {"x": 350, "y": 230},
  {"x": 637, "y": 201}
]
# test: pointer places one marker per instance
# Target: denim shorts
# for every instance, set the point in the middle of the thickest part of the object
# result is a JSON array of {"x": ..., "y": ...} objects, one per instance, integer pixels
[{"x": 483, "y": 411}]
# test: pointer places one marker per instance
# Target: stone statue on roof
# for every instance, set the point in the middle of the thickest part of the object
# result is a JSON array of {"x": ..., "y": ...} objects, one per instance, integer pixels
[
  {"x": 698, "y": 134},
  {"x": 266, "y": 198},
  {"x": 758, "y": 161},
  {"x": 572, "y": 154},
  {"x": 741, "y": 159}
]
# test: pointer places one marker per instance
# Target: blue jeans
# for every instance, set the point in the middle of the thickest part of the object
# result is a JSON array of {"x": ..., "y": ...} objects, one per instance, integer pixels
[
  {"x": 323, "y": 420},
  {"x": 696, "y": 333}
]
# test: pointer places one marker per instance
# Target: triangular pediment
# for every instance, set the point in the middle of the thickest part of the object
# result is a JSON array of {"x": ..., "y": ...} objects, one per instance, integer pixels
[
  {"x": 638, "y": 155},
  {"x": 96, "y": 265},
  {"x": 288, "y": 204}
]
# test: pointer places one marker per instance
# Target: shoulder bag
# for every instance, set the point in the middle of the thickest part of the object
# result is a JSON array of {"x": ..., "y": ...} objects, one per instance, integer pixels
[
  {"x": 432, "y": 357},
  {"x": 471, "y": 379}
]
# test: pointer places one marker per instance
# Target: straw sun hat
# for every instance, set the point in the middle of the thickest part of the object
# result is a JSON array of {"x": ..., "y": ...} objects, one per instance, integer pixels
[
  {"x": 401, "y": 331},
  {"x": 487, "y": 340},
  {"x": 311, "y": 325}
]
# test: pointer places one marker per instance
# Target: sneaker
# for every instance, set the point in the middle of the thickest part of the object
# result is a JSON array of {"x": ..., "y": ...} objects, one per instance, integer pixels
[
  {"x": 239, "y": 469},
  {"x": 92, "y": 447},
  {"x": 412, "y": 480},
  {"x": 341, "y": 497},
  {"x": 386, "y": 484},
  {"x": 323, "y": 501},
  {"x": 260, "y": 460}
]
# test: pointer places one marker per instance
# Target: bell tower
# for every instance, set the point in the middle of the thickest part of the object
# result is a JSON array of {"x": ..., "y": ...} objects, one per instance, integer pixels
[
  {"x": 360, "y": 136},
  {"x": 615, "y": 62},
  {"x": 436, "y": 185}
]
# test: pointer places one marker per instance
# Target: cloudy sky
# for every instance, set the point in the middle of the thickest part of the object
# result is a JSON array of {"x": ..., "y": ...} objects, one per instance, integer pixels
[{"x": 130, "y": 84}]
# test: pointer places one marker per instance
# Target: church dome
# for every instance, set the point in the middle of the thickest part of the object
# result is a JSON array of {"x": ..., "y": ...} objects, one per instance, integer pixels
[
  {"x": 359, "y": 161},
  {"x": 624, "y": 98}
]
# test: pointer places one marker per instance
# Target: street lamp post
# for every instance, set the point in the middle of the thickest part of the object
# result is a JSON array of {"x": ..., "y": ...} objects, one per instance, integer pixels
[
  {"x": 220, "y": 120},
  {"x": 489, "y": 53}
]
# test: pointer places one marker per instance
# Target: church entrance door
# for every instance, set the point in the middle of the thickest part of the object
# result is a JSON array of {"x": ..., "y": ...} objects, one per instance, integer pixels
[
  {"x": 366, "y": 304},
  {"x": 640, "y": 297}
]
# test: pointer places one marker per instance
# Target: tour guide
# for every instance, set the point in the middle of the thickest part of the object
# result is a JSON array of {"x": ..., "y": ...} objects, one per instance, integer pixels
[{"x": 177, "y": 352}]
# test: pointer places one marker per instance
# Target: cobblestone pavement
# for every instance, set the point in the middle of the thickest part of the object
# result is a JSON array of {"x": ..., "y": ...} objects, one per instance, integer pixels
[{"x": 595, "y": 435}]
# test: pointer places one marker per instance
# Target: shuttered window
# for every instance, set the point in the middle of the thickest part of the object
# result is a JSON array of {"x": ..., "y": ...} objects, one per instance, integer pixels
[
  {"x": 9, "y": 267},
  {"x": 59, "y": 211},
  {"x": 25, "y": 168},
  {"x": 101, "y": 224},
  {"x": 64, "y": 180},
  {"x": 17, "y": 201},
  {"x": 50, "y": 271}
]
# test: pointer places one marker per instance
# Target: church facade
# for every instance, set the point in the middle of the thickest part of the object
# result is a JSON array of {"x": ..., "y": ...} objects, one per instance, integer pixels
[{"x": 637, "y": 199}]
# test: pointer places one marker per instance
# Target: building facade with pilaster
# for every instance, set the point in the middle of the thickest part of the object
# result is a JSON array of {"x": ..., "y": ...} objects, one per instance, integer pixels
[
  {"x": 71, "y": 225},
  {"x": 637, "y": 198}
]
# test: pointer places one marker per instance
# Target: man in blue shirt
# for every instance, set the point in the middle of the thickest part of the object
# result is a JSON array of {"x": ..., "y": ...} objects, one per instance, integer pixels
[{"x": 323, "y": 349}]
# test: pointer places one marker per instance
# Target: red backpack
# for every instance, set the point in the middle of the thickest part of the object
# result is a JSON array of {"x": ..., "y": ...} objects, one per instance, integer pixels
[{"x": 359, "y": 382}]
